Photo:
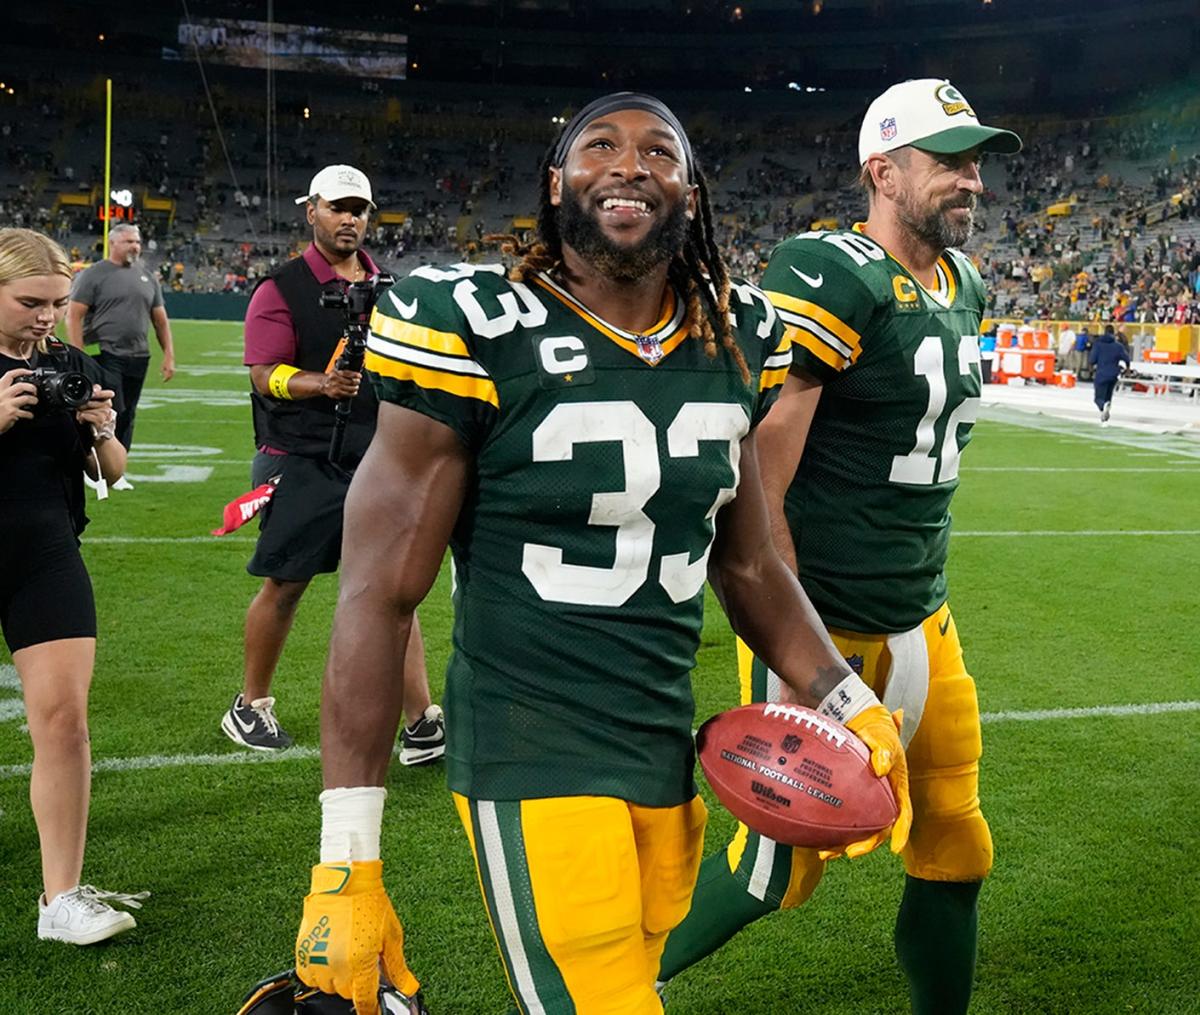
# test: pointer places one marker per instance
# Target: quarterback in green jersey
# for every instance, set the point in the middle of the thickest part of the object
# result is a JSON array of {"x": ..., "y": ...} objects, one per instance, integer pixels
[
  {"x": 580, "y": 432},
  {"x": 859, "y": 461}
]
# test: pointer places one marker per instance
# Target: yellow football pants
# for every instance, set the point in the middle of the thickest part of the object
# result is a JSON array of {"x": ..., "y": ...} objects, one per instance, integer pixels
[
  {"x": 921, "y": 671},
  {"x": 581, "y": 893}
]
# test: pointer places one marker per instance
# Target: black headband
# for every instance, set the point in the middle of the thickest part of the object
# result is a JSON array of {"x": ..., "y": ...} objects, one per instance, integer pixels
[{"x": 611, "y": 104}]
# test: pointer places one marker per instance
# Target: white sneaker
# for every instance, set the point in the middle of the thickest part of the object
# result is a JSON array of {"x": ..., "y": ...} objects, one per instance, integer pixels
[
  {"x": 83, "y": 916},
  {"x": 122, "y": 484}
]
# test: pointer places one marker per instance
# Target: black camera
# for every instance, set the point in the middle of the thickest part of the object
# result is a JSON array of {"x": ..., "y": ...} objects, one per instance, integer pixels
[
  {"x": 356, "y": 300},
  {"x": 58, "y": 390}
]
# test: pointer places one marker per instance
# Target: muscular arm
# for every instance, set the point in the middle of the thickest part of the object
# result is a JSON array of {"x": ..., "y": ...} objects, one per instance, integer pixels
[
  {"x": 765, "y": 603},
  {"x": 400, "y": 511},
  {"x": 162, "y": 330},
  {"x": 76, "y": 312},
  {"x": 781, "y": 438}
]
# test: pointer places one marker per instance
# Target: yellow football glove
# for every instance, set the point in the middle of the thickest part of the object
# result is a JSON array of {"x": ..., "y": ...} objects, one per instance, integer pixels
[
  {"x": 348, "y": 928},
  {"x": 880, "y": 731}
]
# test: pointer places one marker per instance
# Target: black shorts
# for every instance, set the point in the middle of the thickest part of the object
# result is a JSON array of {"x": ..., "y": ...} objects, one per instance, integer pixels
[
  {"x": 300, "y": 529},
  {"x": 45, "y": 591}
]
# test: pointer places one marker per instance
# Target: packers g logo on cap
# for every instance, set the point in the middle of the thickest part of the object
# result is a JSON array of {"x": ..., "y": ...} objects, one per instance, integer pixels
[{"x": 952, "y": 100}]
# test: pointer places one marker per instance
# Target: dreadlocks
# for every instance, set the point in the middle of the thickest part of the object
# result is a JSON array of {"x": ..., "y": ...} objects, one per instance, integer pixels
[{"x": 698, "y": 271}]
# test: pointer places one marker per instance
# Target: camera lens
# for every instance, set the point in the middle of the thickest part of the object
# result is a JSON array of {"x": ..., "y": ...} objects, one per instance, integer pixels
[{"x": 76, "y": 390}]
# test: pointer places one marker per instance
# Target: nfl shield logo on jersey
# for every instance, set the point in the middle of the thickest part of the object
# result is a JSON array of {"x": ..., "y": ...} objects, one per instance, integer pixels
[
  {"x": 887, "y": 128},
  {"x": 649, "y": 348}
]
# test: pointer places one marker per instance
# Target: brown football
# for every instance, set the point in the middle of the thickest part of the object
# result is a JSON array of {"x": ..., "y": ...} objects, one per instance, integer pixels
[{"x": 794, "y": 775}]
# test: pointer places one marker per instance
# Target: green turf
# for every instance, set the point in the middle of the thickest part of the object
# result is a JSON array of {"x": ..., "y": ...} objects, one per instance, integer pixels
[{"x": 1092, "y": 908}]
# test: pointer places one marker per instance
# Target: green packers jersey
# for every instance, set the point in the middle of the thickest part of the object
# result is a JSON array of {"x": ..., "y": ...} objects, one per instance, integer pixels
[
  {"x": 580, "y": 552},
  {"x": 869, "y": 508}
]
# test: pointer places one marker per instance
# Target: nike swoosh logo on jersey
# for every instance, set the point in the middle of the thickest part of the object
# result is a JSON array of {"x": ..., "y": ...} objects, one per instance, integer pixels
[
  {"x": 407, "y": 310},
  {"x": 944, "y": 626},
  {"x": 816, "y": 281}
]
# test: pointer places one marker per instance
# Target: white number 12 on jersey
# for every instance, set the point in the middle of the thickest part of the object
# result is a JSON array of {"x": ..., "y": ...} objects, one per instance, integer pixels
[{"x": 920, "y": 465}]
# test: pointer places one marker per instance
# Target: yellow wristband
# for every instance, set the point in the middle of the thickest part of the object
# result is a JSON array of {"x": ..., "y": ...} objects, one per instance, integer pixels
[{"x": 278, "y": 381}]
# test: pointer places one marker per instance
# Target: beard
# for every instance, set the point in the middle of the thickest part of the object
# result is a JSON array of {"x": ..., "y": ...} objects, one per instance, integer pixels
[
  {"x": 934, "y": 226},
  {"x": 337, "y": 243},
  {"x": 582, "y": 231}
]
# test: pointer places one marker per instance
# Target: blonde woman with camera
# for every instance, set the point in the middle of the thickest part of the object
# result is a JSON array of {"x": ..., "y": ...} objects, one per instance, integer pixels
[{"x": 56, "y": 422}]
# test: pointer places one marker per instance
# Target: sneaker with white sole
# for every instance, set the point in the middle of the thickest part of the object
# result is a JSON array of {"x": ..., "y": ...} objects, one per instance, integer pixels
[
  {"x": 84, "y": 915},
  {"x": 255, "y": 725},
  {"x": 425, "y": 740},
  {"x": 122, "y": 484},
  {"x": 1106, "y": 411}
]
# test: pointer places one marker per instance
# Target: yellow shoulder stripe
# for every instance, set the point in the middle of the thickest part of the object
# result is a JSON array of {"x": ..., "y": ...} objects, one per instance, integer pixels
[
  {"x": 772, "y": 378},
  {"x": 482, "y": 389},
  {"x": 819, "y": 314},
  {"x": 818, "y": 348},
  {"x": 418, "y": 336}
]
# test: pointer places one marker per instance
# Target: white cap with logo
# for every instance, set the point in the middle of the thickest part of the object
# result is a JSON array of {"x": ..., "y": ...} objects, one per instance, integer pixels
[
  {"x": 337, "y": 182},
  {"x": 932, "y": 115}
]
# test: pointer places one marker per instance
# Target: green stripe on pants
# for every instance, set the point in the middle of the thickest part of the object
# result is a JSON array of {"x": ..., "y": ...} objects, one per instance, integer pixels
[{"x": 508, "y": 894}]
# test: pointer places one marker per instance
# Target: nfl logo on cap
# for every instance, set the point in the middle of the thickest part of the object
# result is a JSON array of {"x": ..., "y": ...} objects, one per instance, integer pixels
[{"x": 887, "y": 129}]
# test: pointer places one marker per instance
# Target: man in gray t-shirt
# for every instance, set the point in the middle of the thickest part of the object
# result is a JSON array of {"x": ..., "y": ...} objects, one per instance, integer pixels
[{"x": 114, "y": 303}]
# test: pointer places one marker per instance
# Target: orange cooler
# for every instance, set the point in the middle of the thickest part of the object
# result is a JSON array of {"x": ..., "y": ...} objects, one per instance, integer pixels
[{"x": 1037, "y": 364}]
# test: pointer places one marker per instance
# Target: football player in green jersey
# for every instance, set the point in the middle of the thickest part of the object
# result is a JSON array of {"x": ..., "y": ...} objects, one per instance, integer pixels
[
  {"x": 859, "y": 460},
  {"x": 580, "y": 432}
]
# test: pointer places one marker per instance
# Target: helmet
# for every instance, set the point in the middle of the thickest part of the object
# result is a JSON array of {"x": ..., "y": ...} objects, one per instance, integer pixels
[{"x": 284, "y": 994}]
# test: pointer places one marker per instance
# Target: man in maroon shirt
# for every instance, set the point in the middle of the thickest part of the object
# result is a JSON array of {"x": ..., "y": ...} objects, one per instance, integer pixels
[{"x": 292, "y": 345}]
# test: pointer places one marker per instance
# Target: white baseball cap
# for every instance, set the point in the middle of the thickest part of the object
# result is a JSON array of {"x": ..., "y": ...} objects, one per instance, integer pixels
[
  {"x": 930, "y": 114},
  {"x": 336, "y": 182}
]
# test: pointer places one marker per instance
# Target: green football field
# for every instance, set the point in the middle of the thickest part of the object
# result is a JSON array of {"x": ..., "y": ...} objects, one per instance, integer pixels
[{"x": 1075, "y": 580}]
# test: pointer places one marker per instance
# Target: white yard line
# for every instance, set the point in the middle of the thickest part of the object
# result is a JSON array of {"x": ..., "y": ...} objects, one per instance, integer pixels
[
  {"x": 1181, "y": 468},
  {"x": 1037, "y": 715},
  {"x": 150, "y": 540},
  {"x": 155, "y": 762},
  {"x": 1014, "y": 533},
  {"x": 965, "y": 534},
  {"x": 159, "y": 761}
]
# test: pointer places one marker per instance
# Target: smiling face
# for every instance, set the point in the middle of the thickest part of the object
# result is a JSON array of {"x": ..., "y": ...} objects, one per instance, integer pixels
[
  {"x": 936, "y": 195},
  {"x": 622, "y": 196},
  {"x": 338, "y": 226},
  {"x": 29, "y": 310}
]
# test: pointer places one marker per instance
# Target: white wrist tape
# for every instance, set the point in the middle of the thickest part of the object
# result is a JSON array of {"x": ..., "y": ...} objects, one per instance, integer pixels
[
  {"x": 351, "y": 821},
  {"x": 846, "y": 700}
]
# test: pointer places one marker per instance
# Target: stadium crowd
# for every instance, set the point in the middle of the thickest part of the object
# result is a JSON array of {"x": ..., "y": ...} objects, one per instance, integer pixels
[{"x": 1093, "y": 221}]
